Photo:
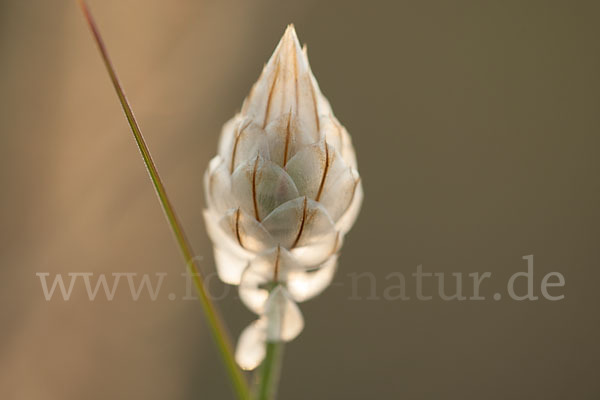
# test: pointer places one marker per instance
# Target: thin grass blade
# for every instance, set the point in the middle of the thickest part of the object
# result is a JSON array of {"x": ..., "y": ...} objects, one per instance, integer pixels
[{"x": 214, "y": 319}]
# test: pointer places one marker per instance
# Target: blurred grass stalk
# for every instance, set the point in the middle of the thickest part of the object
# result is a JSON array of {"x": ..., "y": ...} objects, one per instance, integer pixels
[
  {"x": 213, "y": 317},
  {"x": 268, "y": 374}
]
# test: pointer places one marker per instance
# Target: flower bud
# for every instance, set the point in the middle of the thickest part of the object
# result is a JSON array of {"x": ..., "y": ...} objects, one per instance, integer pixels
[{"x": 281, "y": 194}]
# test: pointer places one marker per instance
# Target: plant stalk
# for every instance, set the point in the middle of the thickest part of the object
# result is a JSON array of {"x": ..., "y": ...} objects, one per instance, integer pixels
[
  {"x": 270, "y": 370},
  {"x": 213, "y": 317}
]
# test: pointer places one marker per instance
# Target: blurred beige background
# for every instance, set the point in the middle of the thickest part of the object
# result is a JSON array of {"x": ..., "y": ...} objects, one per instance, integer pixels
[{"x": 477, "y": 131}]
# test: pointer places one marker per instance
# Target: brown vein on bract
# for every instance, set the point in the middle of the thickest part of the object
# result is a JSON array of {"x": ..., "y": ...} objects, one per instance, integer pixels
[
  {"x": 237, "y": 227},
  {"x": 284, "y": 79},
  {"x": 287, "y": 139},
  {"x": 276, "y": 268},
  {"x": 325, "y": 170},
  {"x": 234, "y": 150},
  {"x": 271, "y": 93},
  {"x": 304, "y": 210},
  {"x": 241, "y": 129},
  {"x": 254, "y": 202},
  {"x": 296, "y": 77},
  {"x": 314, "y": 97}
]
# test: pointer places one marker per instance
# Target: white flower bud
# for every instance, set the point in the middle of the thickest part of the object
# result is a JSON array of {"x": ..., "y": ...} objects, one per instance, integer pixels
[{"x": 281, "y": 194}]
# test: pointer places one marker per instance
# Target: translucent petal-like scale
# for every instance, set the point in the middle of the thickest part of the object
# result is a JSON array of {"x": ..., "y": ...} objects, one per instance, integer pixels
[
  {"x": 246, "y": 231},
  {"x": 337, "y": 136},
  {"x": 303, "y": 285},
  {"x": 338, "y": 188},
  {"x": 286, "y": 136},
  {"x": 322, "y": 104},
  {"x": 298, "y": 222},
  {"x": 347, "y": 220},
  {"x": 260, "y": 186},
  {"x": 249, "y": 142},
  {"x": 230, "y": 258},
  {"x": 251, "y": 346},
  {"x": 307, "y": 168},
  {"x": 217, "y": 182},
  {"x": 316, "y": 252},
  {"x": 220, "y": 238},
  {"x": 283, "y": 317},
  {"x": 268, "y": 269},
  {"x": 228, "y": 134},
  {"x": 229, "y": 266}
]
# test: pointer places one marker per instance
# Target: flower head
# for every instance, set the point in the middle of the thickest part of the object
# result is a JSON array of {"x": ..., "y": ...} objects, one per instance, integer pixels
[{"x": 281, "y": 194}]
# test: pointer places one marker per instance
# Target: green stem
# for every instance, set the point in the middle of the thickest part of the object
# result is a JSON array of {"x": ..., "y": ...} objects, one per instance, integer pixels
[
  {"x": 268, "y": 378},
  {"x": 215, "y": 322}
]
